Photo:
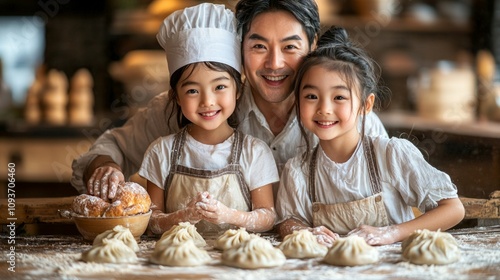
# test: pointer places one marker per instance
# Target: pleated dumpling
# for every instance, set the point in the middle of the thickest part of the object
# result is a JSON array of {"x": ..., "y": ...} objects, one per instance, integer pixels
[
  {"x": 302, "y": 244},
  {"x": 111, "y": 251},
  {"x": 255, "y": 252},
  {"x": 181, "y": 254},
  {"x": 181, "y": 233},
  {"x": 118, "y": 232},
  {"x": 351, "y": 251},
  {"x": 430, "y": 247},
  {"x": 231, "y": 238}
]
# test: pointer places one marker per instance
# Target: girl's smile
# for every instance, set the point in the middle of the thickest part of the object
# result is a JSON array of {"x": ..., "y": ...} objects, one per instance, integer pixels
[{"x": 209, "y": 115}]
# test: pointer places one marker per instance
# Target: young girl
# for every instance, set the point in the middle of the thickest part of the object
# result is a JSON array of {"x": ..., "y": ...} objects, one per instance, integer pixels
[
  {"x": 208, "y": 174},
  {"x": 352, "y": 183}
]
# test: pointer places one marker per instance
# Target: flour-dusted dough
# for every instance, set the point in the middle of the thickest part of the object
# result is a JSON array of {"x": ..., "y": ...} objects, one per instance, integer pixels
[
  {"x": 255, "y": 252},
  {"x": 181, "y": 254},
  {"x": 231, "y": 238},
  {"x": 180, "y": 233},
  {"x": 118, "y": 232},
  {"x": 111, "y": 251},
  {"x": 430, "y": 247},
  {"x": 351, "y": 251},
  {"x": 302, "y": 244}
]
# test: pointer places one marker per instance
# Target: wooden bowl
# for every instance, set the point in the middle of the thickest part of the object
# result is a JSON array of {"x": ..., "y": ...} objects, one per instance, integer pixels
[{"x": 90, "y": 227}]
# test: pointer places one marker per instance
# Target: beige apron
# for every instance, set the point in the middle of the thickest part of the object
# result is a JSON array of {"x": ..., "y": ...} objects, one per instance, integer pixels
[
  {"x": 343, "y": 217},
  {"x": 227, "y": 185}
]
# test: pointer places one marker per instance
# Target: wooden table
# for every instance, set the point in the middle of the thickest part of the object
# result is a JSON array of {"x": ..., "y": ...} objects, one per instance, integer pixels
[{"x": 57, "y": 256}]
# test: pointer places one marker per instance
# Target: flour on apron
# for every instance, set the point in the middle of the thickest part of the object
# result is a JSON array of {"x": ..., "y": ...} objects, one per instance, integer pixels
[
  {"x": 343, "y": 217},
  {"x": 227, "y": 185}
]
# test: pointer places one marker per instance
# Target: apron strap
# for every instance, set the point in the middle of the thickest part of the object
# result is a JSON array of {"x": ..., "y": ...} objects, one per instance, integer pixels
[
  {"x": 179, "y": 140},
  {"x": 372, "y": 165},
  {"x": 312, "y": 175},
  {"x": 237, "y": 147},
  {"x": 235, "y": 162}
]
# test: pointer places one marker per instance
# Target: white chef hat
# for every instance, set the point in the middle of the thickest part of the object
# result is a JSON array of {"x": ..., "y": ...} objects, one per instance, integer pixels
[{"x": 205, "y": 32}]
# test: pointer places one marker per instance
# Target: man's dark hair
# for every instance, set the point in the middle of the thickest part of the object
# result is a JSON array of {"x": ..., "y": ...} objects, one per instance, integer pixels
[{"x": 305, "y": 11}]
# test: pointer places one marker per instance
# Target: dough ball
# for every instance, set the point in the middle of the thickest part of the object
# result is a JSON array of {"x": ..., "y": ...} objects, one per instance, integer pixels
[
  {"x": 253, "y": 253},
  {"x": 118, "y": 232},
  {"x": 111, "y": 251},
  {"x": 180, "y": 254},
  {"x": 430, "y": 247},
  {"x": 231, "y": 238},
  {"x": 181, "y": 233},
  {"x": 351, "y": 251},
  {"x": 302, "y": 244}
]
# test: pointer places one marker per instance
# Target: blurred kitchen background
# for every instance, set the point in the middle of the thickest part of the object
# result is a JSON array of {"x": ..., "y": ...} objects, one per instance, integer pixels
[{"x": 72, "y": 69}]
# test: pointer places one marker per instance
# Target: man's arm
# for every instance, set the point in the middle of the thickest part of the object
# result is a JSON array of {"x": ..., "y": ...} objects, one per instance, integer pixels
[{"x": 123, "y": 148}]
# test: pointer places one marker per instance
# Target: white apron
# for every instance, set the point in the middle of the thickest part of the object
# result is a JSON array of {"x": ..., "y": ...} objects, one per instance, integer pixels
[
  {"x": 227, "y": 185},
  {"x": 343, "y": 217}
]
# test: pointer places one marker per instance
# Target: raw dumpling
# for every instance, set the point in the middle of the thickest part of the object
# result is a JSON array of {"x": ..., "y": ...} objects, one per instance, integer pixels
[
  {"x": 180, "y": 233},
  {"x": 231, "y": 238},
  {"x": 118, "y": 232},
  {"x": 255, "y": 252},
  {"x": 428, "y": 247},
  {"x": 351, "y": 251},
  {"x": 181, "y": 254},
  {"x": 111, "y": 251},
  {"x": 302, "y": 244}
]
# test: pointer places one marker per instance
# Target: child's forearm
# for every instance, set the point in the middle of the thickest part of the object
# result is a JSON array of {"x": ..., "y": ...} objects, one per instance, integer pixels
[
  {"x": 258, "y": 220},
  {"x": 289, "y": 225},
  {"x": 161, "y": 222},
  {"x": 447, "y": 214}
]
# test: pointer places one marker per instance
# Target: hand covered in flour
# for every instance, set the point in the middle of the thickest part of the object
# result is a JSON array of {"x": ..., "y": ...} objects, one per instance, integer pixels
[
  {"x": 190, "y": 212},
  {"x": 104, "y": 181},
  {"x": 376, "y": 235},
  {"x": 213, "y": 210},
  {"x": 324, "y": 235}
]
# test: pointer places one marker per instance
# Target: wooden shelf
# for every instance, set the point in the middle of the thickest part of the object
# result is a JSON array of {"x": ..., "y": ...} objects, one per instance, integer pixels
[{"x": 397, "y": 25}]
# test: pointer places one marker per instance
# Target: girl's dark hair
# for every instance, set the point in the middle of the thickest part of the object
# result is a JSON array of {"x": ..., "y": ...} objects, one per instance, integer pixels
[
  {"x": 336, "y": 52},
  {"x": 174, "y": 80},
  {"x": 305, "y": 11}
]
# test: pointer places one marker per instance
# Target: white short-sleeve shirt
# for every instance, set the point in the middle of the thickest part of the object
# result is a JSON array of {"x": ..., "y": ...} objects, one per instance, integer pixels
[{"x": 407, "y": 180}]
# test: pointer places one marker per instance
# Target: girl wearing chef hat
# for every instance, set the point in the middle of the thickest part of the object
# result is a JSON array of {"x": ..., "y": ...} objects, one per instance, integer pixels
[
  {"x": 208, "y": 174},
  {"x": 351, "y": 183}
]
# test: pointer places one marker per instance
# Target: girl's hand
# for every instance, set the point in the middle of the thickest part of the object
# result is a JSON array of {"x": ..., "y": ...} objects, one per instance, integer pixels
[
  {"x": 213, "y": 210},
  {"x": 377, "y": 235},
  {"x": 191, "y": 214},
  {"x": 324, "y": 235},
  {"x": 104, "y": 182}
]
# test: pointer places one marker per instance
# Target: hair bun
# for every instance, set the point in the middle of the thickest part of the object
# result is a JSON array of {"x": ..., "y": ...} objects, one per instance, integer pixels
[{"x": 334, "y": 36}]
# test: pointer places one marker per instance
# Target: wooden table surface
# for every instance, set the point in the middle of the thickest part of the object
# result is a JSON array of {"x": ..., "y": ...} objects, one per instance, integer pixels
[{"x": 58, "y": 256}]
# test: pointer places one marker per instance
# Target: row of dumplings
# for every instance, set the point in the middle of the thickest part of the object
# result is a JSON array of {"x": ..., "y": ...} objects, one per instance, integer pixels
[{"x": 182, "y": 245}]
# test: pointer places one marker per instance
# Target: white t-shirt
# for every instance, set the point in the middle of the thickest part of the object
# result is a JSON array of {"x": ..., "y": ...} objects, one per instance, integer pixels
[
  {"x": 256, "y": 160},
  {"x": 407, "y": 180}
]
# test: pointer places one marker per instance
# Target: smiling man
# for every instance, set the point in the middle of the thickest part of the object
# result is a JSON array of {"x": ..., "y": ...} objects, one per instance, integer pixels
[{"x": 277, "y": 35}]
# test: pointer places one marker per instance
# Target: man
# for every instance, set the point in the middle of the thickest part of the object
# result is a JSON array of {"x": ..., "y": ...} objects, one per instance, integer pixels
[{"x": 276, "y": 35}]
